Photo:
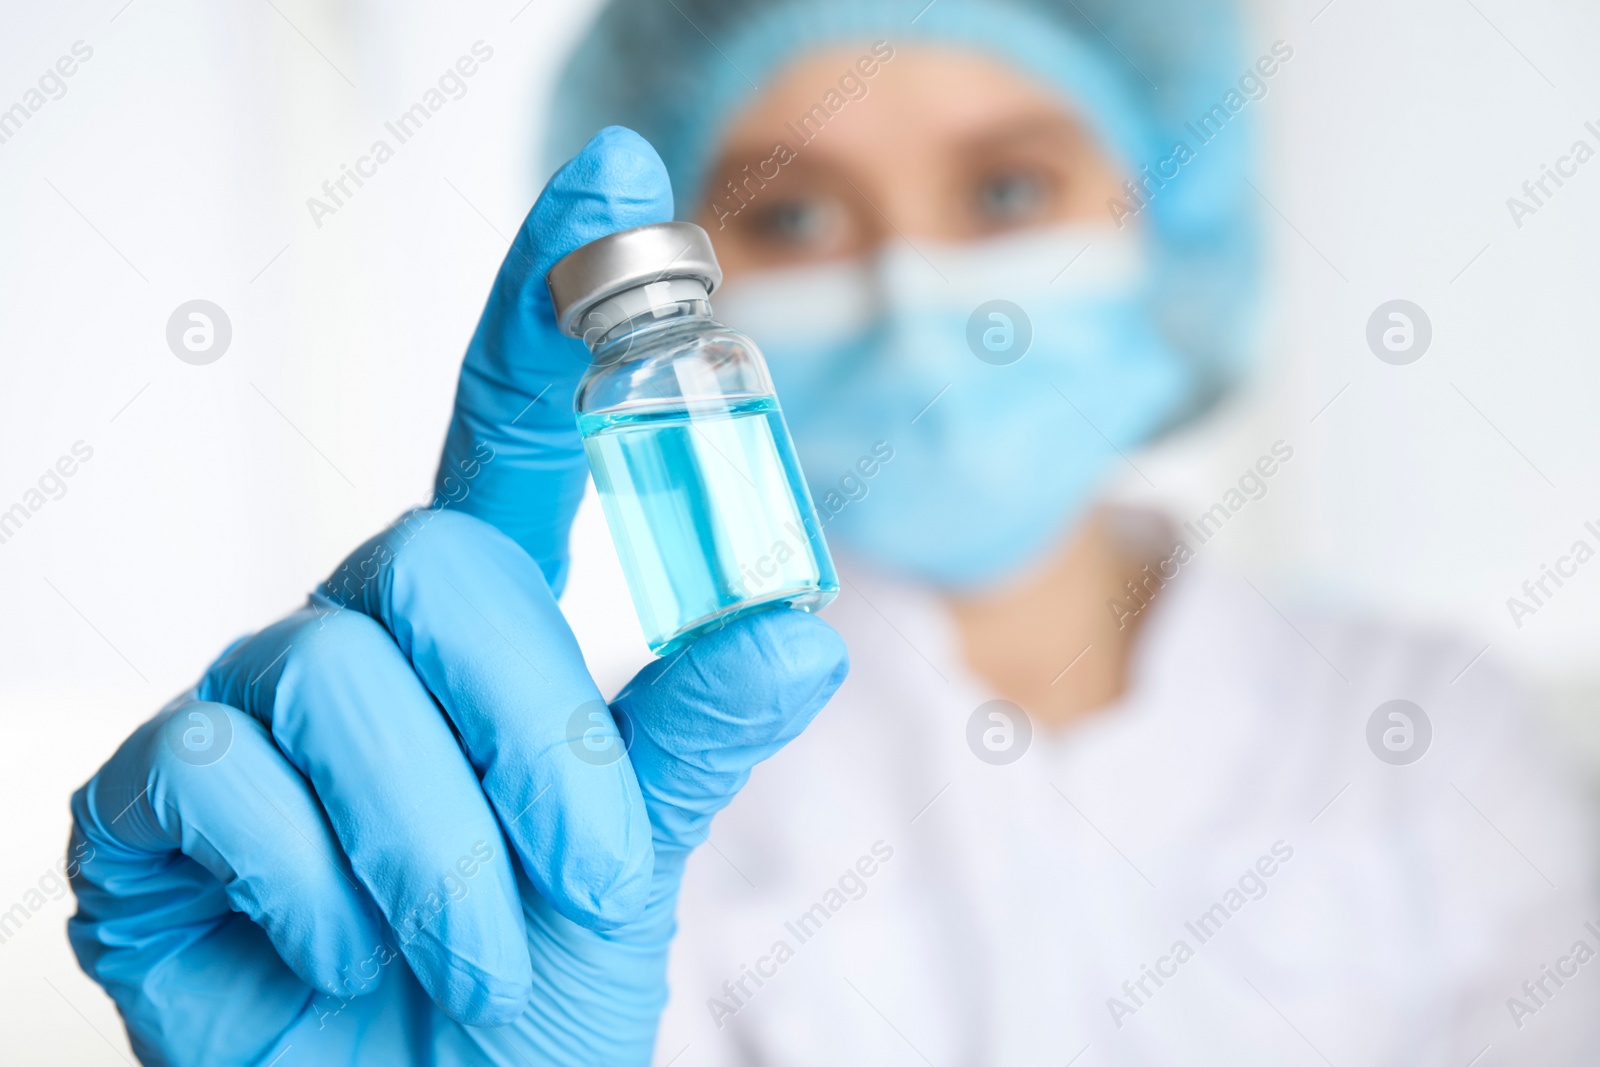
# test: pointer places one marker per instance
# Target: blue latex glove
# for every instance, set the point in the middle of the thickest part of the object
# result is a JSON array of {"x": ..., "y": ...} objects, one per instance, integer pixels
[{"x": 400, "y": 825}]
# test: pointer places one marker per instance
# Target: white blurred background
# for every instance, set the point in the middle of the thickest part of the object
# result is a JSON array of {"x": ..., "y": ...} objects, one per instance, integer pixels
[{"x": 177, "y": 165}]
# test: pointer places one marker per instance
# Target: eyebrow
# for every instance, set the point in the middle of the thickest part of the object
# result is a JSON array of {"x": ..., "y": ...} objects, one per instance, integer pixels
[
  {"x": 731, "y": 166},
  {"x": 1043, "y": 126}
]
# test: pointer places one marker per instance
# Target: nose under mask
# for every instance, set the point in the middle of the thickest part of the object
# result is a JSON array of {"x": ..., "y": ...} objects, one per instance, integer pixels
[{"x": 957, "y": 407}]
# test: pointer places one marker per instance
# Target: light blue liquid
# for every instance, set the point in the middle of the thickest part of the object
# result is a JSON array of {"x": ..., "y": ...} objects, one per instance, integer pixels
[{"x": 710, "y": 514}]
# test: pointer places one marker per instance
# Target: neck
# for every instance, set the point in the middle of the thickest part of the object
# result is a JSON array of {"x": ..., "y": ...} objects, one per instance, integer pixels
[{"x": 1048, "y": 641}]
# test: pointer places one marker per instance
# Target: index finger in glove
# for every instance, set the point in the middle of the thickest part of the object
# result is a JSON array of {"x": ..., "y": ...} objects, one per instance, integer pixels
[{"x": 513, "y": 435}]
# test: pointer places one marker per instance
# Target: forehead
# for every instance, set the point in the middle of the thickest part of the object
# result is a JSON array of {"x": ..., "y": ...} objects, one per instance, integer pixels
[{"x": 926, "y": 98}]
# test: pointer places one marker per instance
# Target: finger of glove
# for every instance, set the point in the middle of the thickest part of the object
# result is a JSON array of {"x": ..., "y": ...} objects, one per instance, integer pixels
[
  {"x": 196, "y": 816},
  {"x": 732, "y": 699},
  {"x": 512, "y": 456},
  {"x": 345, "y": 707},
  {"x": 475, "y": 618}
]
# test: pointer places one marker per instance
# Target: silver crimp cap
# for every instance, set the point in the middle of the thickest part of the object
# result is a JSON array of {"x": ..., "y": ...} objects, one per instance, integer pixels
[{"x": 630, "y": 259}]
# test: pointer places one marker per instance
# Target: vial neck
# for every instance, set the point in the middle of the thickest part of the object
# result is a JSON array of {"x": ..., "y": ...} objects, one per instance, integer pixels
[{"x": 651, "y": 306}]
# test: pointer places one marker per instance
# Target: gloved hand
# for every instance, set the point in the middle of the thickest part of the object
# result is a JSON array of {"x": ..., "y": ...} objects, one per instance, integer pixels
[{"x": 400, "y": 825}]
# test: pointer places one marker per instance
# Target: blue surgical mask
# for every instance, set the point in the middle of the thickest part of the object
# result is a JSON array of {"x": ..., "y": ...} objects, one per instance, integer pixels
[{"x": 956, "y": 408}]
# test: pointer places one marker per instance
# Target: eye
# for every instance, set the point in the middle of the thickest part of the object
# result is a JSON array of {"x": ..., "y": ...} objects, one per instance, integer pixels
[
  {"x": 796, "y": 222},
  {"x": 1012, "y": 198}
]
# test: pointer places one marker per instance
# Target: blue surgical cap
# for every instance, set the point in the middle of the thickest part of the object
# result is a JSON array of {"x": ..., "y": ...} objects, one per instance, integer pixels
[{"x": 1144, "y": 75}]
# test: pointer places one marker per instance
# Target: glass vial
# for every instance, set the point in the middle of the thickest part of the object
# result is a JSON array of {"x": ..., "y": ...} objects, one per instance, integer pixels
[{"x": 693, "y": 463}]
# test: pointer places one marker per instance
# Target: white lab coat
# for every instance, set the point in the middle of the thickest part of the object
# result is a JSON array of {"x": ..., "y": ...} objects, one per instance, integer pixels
[{"x": 1405, "y": 904}]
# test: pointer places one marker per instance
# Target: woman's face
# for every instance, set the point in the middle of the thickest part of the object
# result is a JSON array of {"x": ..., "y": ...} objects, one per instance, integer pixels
[{"x": 943, "y": 144}]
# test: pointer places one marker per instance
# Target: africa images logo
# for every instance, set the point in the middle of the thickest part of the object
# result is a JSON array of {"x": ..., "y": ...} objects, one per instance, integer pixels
[
  {"x": 999, "y": 732},
  {"x": 1399, "y": 732},
  {"x": 199, "y": 734},
  {"x": 199, "y": 332},
  {"x": 1207, "y": 127}
]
